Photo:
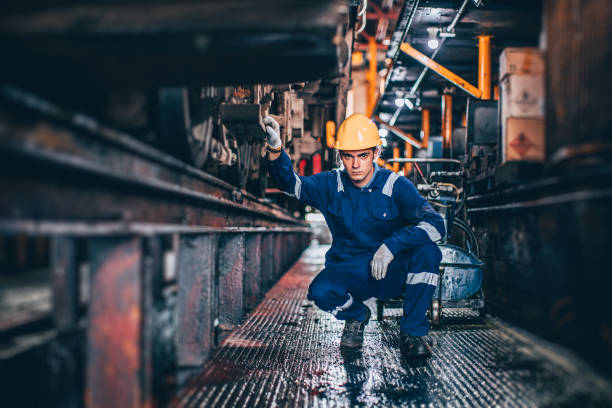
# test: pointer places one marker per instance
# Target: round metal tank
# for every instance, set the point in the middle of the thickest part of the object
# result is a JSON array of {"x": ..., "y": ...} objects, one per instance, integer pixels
[{"x": 460, "y": 280}]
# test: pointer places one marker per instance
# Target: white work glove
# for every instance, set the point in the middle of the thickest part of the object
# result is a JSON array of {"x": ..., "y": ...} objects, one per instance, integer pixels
[
  {"x": 380, "y": 262},
  {"x": 273, "y": 132}
]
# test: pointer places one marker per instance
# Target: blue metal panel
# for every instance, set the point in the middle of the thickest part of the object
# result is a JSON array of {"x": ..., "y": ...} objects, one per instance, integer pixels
[{"x": 460, "y": 281}]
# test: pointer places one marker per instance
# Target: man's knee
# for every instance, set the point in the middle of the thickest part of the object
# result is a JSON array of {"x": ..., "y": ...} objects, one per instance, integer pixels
[
  {"x": 321, "y": 289},
  {"x": 316, "y": 291}
]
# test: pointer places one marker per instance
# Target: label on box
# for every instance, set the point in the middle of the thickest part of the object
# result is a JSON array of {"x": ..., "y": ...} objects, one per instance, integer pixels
[
  {"x": 522, "y": 96},
  {"x": 523, "y": 139},
  {"x": 521, "y": 61}
]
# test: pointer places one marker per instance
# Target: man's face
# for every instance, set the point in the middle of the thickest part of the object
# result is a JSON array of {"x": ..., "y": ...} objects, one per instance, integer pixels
[{"x": 359, "y": 165}]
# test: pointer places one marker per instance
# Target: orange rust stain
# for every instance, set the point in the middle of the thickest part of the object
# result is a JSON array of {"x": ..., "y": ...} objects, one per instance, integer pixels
[{"x": 115, "y": 323}]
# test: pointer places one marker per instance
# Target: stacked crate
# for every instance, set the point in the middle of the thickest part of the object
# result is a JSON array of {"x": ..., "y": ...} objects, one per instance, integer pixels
[{"x": 521, "y": 76}]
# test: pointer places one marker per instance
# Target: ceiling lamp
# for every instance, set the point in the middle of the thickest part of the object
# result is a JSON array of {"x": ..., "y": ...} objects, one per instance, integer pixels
[{"x": 433, "y": 38}]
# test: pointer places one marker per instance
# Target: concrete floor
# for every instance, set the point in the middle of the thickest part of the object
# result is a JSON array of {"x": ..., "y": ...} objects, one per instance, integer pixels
[{"x": 287, "y": 353}]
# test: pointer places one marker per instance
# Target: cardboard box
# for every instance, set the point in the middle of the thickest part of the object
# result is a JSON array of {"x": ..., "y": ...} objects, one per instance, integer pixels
[
  {"x": 522, "y": 96},
  {"x": 523, "y": 140},
  {"x": 521, "y": 61}
]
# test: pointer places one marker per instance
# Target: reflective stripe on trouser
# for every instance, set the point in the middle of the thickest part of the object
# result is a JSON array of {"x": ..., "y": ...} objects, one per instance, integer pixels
[{"x": 413, "y": 272}]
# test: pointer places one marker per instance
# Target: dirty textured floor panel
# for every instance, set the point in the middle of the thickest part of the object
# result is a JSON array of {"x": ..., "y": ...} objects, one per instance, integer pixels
[{"x": 287, "y": 354}]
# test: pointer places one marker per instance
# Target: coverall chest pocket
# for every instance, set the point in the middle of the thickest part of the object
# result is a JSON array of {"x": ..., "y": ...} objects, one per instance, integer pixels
[
  {"x": 340, "y": 217},
  {"x": 384, "y": 221}
]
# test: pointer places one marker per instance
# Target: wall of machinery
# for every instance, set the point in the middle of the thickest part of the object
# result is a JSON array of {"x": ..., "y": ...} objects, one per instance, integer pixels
[{"x": 495, "y": 128}]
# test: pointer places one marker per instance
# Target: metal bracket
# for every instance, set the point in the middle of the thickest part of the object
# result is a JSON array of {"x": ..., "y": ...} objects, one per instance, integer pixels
[{"x": 441, "y": 70}]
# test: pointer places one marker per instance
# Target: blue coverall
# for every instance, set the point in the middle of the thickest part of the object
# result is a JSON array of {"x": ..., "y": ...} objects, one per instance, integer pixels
[{"x": 388, "y": 210}]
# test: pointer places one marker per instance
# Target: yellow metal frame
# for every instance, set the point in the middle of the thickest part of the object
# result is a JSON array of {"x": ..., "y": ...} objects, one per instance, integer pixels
[
  {"x": 425, "y": 128},
  {"x": 447, "y": 121},
  {"x": 408, "y": 152},
  {"x": 372, "y": 76},
  {"x": 484, "y": 65},
  {"x": 407, "y": 137},
  {"x": 441, "y": 70},
  {"x": 330, "y": 133}
]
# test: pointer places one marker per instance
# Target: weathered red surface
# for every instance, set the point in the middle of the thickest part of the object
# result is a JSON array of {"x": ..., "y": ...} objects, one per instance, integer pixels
[{"x": 113, "y": 366}]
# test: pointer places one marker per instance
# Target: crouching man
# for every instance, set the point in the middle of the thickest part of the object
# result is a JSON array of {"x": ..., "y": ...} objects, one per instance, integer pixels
[{"x": 374, "y": 253}]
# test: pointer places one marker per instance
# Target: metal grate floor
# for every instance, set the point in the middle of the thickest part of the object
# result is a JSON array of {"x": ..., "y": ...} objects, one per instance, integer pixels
[{"x": 287, "y": 354}]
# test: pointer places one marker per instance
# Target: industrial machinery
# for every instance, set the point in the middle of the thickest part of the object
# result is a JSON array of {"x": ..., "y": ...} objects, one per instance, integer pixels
[{"x": 461, "y": 271}]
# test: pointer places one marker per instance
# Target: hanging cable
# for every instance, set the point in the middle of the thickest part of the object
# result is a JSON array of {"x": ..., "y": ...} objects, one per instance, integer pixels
[
  {"x": 363, "y": 9},
  {"x": 363, "y": 19}
]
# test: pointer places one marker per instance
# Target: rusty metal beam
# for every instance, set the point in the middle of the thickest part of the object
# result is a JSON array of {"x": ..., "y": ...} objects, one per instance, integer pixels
[
  {"x": 441, "y": 70},
  {"x": 268, "y": 262},
  {"x": 34, "y": 151},
  {"x": 114, "y": 333},
  {"x": 99, "y": 229},
  {"x": 230, "y": 273},
  {"x": 252, "y": 288},
  {"x": 196, "y": 307},
  {"x": 64, "y": 283}
]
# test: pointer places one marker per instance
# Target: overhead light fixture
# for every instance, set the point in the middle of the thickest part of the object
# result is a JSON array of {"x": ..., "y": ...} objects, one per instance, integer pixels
[
  {"x": 447, "y": 34},
  {"x": 383, "y": 132},
  {"x": 408, "y": 103},
  {"x": 399, "y": 102},
  {"x": 433, "y": 38},
  {"x": 384, "y": 142}
]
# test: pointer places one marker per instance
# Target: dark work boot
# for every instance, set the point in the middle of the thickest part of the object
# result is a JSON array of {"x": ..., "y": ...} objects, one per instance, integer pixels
[
  {"x": 352, "y": 335},
  {"x": 414, "y": 346}
]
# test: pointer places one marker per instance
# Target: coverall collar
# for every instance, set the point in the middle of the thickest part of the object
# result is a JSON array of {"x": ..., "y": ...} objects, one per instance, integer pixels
[{"x": 375, "y": 181}]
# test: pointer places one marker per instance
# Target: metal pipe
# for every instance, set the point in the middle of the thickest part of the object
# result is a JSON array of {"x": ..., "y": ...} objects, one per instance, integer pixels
[
  {"x": 371, "y": 76},
  {"x": 424, "y": 160},
  {"x": 417, "y": 83},
  {"x": 484, "y": 65},
  {"x": 396, "y": 154},
  {"x": 453, "y": 23},
  {"x": 447, "y": 124},
  {"x": 408, "y": 151},
  {"x": 425, "y": 128},
  {"x": 450, "y": 28},
  {"x": 395, "y": 116},
  {"x": 330, "y": 133}
]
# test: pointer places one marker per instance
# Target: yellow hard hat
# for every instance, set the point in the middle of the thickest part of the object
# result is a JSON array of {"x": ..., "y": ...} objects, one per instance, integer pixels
[{"x": 357, "y": 132}]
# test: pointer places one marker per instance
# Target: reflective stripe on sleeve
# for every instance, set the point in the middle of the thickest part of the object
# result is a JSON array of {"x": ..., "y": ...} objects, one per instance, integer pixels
[
  {"x": 298, "y": 186},
  {"x": 427, "y": 278},
  {"x": 431, "y": 231}
]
